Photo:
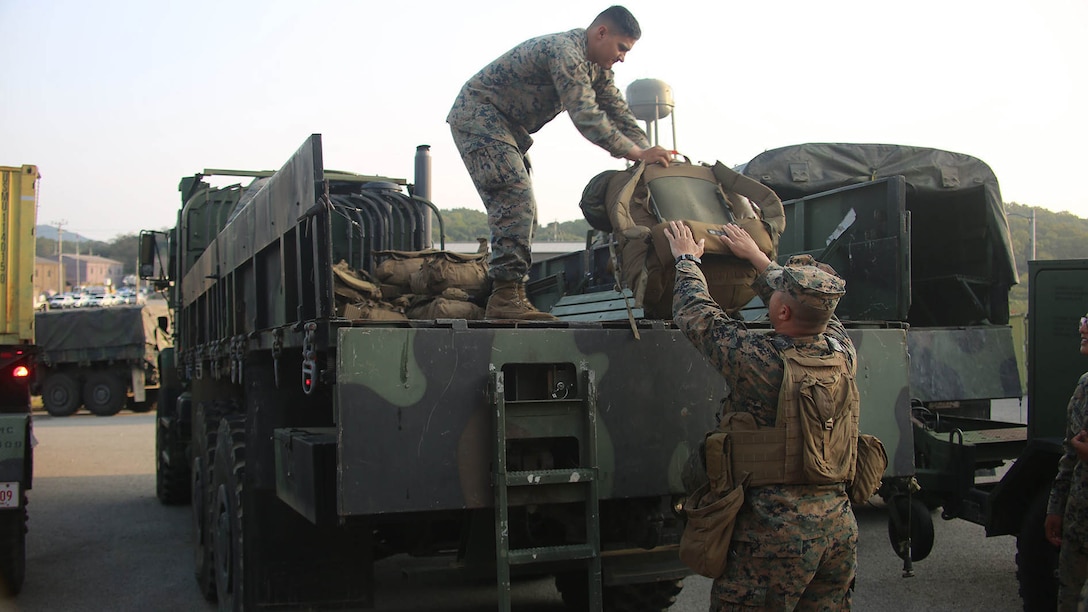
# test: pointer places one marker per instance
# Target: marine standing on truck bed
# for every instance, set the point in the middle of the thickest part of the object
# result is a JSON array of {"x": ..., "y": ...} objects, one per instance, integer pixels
[{"x": 516, "y": 95}]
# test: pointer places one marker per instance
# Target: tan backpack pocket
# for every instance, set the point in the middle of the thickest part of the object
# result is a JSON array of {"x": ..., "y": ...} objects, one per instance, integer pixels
[
  {"x": 871, "y": 463},
  {"x": 711, "y": 518},
  {"x": 828, "y": 427}
]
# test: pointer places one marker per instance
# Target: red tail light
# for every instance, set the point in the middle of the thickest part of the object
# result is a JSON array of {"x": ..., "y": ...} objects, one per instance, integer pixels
[{"x": 20, "y": 371}]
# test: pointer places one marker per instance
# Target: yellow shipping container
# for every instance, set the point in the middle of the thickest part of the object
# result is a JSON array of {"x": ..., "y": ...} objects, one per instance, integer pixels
[{"x": 18, "y": 216}]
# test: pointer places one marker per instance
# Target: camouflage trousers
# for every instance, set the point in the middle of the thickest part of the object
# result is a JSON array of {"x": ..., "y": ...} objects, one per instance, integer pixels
[
  {"x": 1072, "y": 574},
  {"x": 501, "y": 175},
  {"x": 817, "y": 575}
]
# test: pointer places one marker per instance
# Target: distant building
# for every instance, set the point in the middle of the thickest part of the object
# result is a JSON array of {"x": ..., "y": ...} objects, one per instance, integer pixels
[
  {"x": 79, "y": 271},
  {"x": 45, "y": 276}
]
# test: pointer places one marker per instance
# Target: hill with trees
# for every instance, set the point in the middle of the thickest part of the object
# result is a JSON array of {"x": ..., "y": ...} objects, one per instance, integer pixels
[{"x": 1058, "y": 235}]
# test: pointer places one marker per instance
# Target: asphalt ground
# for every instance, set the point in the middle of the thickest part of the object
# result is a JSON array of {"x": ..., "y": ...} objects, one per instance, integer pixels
[{"x": 100, "y": 540}]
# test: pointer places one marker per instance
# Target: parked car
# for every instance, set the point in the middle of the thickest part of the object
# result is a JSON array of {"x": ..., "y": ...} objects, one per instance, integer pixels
[{"x": 62, "y": 300}]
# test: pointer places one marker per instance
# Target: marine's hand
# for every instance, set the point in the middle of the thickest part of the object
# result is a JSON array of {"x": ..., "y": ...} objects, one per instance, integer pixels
[
  {"x": 1052, "y": 528},
  {"x": 653, "y": 155},
  {"x": 1079, "y": 443},
  {"x": 742, "y": 245},
  {"x": 681, "y": 241}
]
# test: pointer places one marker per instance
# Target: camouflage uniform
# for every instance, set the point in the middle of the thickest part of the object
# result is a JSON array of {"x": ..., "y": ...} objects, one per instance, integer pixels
[
  {"x": 1069, "y": 499},
  {"x": 794, "y": 546},
  {"x": 513, "y": 97}
]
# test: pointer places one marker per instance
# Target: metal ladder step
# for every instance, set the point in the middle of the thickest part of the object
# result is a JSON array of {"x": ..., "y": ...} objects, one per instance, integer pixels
[
  {"x": 550, "y": 477},
  {"x": 574, "y": 417},
  {"x": 547, "y": 554}
]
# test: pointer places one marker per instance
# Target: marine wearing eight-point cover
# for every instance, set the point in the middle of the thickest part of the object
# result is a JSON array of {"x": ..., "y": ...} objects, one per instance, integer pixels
[{"x": 792, "y": 544}]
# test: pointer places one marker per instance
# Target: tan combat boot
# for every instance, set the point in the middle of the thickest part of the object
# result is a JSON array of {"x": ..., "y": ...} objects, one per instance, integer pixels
[{"x": 508, "y": 301}]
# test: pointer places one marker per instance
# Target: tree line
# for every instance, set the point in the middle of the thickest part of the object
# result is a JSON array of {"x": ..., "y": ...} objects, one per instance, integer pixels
[{"x": 1058, "y": 235}]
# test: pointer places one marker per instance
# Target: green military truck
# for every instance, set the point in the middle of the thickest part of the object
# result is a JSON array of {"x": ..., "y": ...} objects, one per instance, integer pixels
[
  {"x": 105, "y": 359},
  {"x": 18, "y": 214},
  {"x": 317, "y": 442}
]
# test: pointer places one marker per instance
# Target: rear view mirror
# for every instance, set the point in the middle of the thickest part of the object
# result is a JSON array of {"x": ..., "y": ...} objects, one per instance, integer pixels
[{"x": 153, "y": 258}]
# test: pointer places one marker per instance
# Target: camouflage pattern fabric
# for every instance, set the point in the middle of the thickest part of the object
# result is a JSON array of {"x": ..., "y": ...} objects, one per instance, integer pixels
[
  {"x": 793, "y": 544},
  {"x": 774, "y": 573},
  {"x": 1072, "y": 569},
  {"x": 529, "y": 85},
  {"x": 501, "y": 175},
  {"x": 513, "y": 97},
  {"x": 815, "y": 286},
  {"x": 1069, "y": 498}
]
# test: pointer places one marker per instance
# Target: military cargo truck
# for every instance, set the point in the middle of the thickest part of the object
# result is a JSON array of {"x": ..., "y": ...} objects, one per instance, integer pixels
[
  {"x": 18, "y": 215},
  {"x": 317, "y": 444},
  {"x": 103, "y": 358}
]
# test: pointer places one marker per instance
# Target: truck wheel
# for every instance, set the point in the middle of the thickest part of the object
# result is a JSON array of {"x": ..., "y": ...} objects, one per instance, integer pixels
[
  {"x": 643, "y": 597},
  {"x": 172, "y": 485},
  {"x": 229, "y": 476},
  {"x": 104, "y": 394},
  {"x": 205, "y": 431},
  {"x": 60, "y": 395},
  {"x": 1036, "y": 558},
  {"x": 915, "y": 521},
  {"x": 12, "y": 550}
]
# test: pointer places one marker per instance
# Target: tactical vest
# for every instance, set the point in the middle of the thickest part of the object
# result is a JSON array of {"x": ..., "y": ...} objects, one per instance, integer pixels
[{"x": 814, "y": 440}]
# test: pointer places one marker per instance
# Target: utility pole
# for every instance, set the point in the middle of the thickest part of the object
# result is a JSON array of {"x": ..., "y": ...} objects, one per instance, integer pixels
[
  {"x": 60, "y": 253},
  {"x": 1033, "y": 232},
  {"x": 1031, "y": 220}
]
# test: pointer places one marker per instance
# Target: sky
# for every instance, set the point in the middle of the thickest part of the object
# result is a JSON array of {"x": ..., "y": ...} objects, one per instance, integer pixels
[{"x": 117, "y": 101}]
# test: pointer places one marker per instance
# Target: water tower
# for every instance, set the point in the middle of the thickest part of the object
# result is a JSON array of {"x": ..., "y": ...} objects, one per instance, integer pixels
[{"x": 651, "y": 101}]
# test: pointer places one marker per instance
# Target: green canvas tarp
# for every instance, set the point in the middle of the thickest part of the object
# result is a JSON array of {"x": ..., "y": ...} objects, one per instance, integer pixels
[
  {"x": 939, "y": 183},
  {"x": 120, "y": 333}
]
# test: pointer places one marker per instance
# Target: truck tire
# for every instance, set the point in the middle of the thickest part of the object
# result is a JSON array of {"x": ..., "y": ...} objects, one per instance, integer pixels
[
  {"x": 205, "y": 431},
  {"x": 641, "y": 597},
  {"x": 172, "y": 480},
  {"x": 60, "y": 394},
  {"x": 1037, "y": 558},
  {"x": 228, "y": 487},
  {"x": 104, "y": 394},
  {"x": 12, "y": 550}
]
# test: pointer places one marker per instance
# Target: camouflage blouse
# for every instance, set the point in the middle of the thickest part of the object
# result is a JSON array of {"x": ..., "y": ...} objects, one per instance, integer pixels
[
  {"x": 529, "y": 85},
  {"x": 1069, "y": 495}
]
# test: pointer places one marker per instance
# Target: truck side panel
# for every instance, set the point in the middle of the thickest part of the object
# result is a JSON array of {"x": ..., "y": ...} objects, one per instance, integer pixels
[
  {"x": 413, "y": 409},
  {"x": 18, "y": 214}
]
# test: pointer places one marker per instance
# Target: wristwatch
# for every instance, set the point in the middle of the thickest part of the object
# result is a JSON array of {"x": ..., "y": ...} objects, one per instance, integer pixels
[{"x": 689, "y": 257}]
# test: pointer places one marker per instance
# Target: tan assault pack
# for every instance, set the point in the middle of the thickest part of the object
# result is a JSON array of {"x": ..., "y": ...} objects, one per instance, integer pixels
[
  {"x": 814, "y": 440},
  {"x": 639, "y": 203}
]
